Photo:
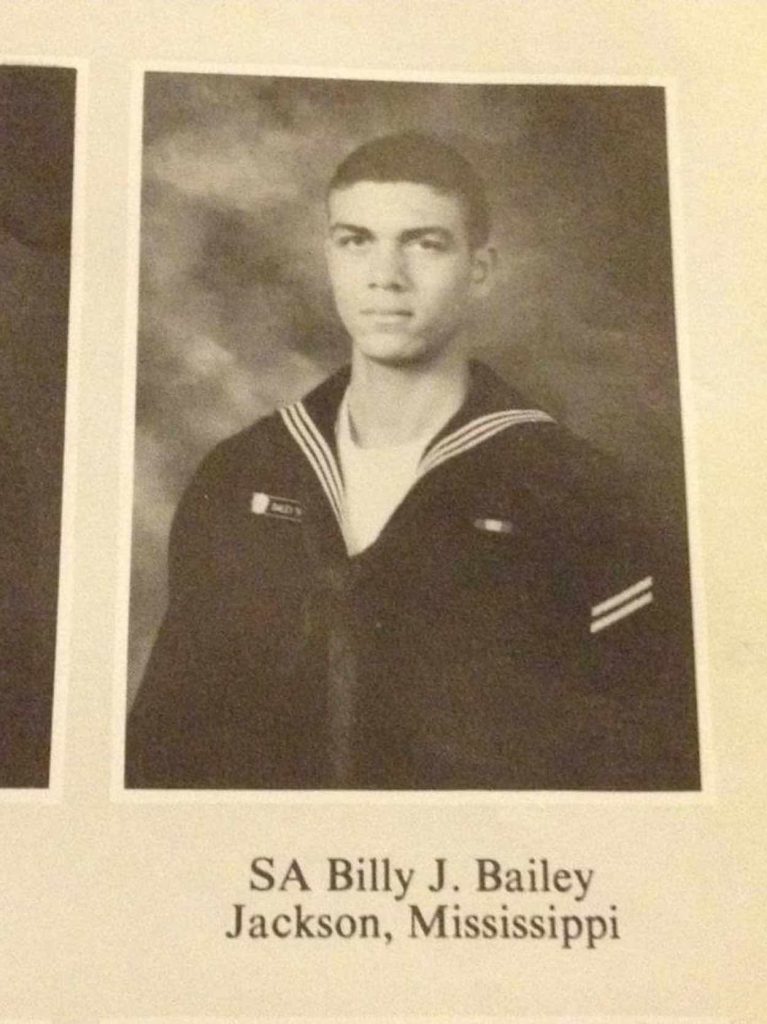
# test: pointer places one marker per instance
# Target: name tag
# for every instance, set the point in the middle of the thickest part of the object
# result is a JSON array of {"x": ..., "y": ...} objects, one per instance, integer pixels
[{"x": 268, "y": 505}]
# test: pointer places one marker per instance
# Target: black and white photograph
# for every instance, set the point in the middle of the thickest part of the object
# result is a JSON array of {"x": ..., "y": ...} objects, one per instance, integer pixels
[
  {"x": 409, "y": 494},
  {"x": 37, "y": 118},
  {"x": 382, "y": 562}
]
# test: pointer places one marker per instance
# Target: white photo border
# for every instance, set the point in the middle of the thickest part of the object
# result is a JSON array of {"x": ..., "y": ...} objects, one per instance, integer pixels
[{"x": 119, "y": 793}]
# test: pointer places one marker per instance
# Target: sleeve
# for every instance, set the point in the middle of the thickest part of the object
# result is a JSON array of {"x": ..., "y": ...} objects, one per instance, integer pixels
[
  {"x": 169, "y": 741},
  {"x": 630, "y": 625}
]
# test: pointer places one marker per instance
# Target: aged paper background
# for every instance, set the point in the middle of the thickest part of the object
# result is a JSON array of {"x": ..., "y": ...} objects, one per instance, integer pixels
[{"x": 115, "y": 908}]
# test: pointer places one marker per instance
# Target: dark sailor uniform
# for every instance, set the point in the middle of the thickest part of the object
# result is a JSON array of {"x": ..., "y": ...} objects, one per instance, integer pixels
[{"x": 513, "y": 626}]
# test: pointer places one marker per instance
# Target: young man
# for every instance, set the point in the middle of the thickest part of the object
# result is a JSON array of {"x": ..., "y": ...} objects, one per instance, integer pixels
[{"x": 411, "y": 578}]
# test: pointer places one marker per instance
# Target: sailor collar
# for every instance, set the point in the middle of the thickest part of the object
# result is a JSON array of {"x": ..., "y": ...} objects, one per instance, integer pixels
[{"x": 490, "y": 407}]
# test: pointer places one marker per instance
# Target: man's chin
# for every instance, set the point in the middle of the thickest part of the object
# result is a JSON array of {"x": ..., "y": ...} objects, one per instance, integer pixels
[{"x": 395, "y": 351}]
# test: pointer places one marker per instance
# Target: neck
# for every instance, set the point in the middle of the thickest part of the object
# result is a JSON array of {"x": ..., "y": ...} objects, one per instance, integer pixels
[{"x": 391, "y": 405}]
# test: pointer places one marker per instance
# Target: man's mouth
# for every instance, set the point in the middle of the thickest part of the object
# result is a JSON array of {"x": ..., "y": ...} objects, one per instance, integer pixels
[{"x": 387, "y": 314}]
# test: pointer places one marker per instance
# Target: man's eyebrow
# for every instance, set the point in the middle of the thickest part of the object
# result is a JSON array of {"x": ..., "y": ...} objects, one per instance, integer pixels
[
  {"x": 413, "y": 234},
  {"x": 408, "y": 235},
  {"x": 355, "y": 229}
]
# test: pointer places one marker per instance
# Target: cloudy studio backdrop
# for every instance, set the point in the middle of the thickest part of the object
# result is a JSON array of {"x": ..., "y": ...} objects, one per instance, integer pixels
[{"x": 236, "y": 315}]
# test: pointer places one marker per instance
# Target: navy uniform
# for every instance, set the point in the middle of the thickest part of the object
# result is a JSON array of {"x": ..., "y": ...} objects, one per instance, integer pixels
[{"x": 512, "y": 626}]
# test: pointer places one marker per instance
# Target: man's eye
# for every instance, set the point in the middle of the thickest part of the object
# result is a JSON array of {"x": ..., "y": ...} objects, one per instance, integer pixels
[
  {"x": 351, "y": 241},
  {"x": 431, "y": 244}
]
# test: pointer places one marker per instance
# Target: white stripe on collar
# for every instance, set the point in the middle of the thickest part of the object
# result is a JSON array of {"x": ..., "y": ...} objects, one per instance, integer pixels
[
  {"x": 475, "y": 432},
  {"x": 319, "y": 455},
  {"x": 322, "y": 460}
]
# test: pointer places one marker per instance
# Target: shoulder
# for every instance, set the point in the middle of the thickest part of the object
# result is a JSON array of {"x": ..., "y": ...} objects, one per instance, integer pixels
[
  {"x": 269, "y": 442},
  {"x": 231, "y": 468},
  {"x": 563, "y": 475},
  {"x": 589, "y": 513},
  {"x": 249, "y": 451},
  {"x": 582, "y": 483},
  {"x": 259, "y": 440},
  {"x": 533, "y": 451}
]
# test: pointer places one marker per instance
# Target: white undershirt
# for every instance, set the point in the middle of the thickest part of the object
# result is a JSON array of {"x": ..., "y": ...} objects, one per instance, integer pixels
[{"x": 375, "y": 481}]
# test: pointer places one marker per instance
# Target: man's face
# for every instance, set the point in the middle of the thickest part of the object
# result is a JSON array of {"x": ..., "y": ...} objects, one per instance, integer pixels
[{"x": 402, "y": 268}]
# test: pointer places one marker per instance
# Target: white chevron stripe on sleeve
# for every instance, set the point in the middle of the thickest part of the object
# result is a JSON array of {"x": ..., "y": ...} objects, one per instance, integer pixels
[
  {"x": 623, "y": 595},
  {"x": 620, "y": 613}
]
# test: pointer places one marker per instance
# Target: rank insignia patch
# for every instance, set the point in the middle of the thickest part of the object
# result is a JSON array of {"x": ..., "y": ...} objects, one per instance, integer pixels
[
  {"x": 268, "y": 505},
  {"x": 620, "y": 605}
]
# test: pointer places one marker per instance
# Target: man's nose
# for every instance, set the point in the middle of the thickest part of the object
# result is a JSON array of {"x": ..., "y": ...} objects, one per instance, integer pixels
[{"x": 387, "y": 268}]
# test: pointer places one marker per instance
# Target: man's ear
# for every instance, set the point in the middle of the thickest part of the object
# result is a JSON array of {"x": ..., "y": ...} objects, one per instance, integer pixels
[{"x": 484, "y": 263}]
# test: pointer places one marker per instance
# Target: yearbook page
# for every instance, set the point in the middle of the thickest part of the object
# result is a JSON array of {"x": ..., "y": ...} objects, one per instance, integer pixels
[{"x": 382, "y": 584}]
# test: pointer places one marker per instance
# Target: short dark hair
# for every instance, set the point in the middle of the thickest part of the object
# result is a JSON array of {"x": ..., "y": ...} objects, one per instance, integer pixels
[{"x": 425, "y": 160}]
